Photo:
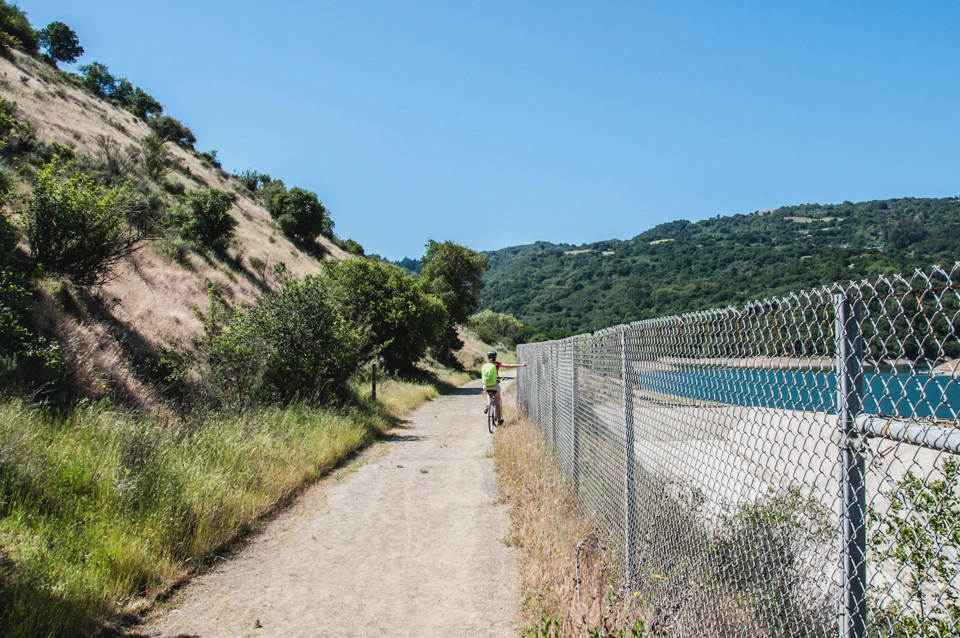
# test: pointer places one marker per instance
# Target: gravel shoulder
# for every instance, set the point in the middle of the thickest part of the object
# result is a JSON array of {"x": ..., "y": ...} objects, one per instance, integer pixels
[{"x": 406, "y": 541}]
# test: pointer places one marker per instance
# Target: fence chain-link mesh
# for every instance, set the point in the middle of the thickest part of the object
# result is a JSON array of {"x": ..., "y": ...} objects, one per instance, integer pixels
[{"x": 788, "y": 468}]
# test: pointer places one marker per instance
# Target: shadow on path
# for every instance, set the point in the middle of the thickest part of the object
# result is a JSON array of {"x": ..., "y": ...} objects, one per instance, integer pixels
[{"x": 459, "y": 392}]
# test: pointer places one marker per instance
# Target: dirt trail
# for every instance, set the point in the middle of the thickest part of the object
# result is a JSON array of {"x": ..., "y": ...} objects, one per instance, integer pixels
[{"x": 378, "y": 550}]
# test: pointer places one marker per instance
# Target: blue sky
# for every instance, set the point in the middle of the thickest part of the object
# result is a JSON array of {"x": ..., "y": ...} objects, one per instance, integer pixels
[{"x": 502, "y": 123}]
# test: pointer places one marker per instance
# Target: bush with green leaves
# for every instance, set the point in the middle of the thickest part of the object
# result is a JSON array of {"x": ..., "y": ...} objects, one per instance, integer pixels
[
  {"x": 15, "y": 29},
  {"x": 353, "y": 247},
  {"x": 773, "y": 552},
  {"x": 77, "y": 228},
  {"x": 143, "y": 105},
  {"x": 156, "y": 158},
  {"x": 251, "y": 179},
  {"x": 299, "y": 213},
  {"x": 210, "y": 158},
  {"x": 296, "y": 345},
  {"x": 918, "y": 538},
  {"x": 61, "y": 42},
  {"x": 238, "y": 354},
  {"x": 204, "y": 218},
  {"x": 17, "y": 136},
  {"x": 170, "y": 129},
  {"x": 495, "y": 327},
  {"x": 403, "y": 319},
  {"x": 98, "y": 78},
  {"x": 17, "y": 342}
]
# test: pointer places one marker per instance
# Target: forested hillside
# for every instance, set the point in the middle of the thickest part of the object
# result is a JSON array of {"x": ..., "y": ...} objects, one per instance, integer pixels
[{"x": 682, "y": 266}]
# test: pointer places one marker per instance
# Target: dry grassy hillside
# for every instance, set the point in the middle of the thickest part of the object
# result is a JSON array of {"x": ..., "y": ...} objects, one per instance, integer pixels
[{"x": 147, "y": 305}]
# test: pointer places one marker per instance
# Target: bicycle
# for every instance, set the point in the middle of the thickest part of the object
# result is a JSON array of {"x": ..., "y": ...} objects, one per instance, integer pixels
[{"x": 493, "y": 417}]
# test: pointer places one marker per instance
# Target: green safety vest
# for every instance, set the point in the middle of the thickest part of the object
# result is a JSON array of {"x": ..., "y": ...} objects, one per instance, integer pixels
[{"x": 489, "y": 374}]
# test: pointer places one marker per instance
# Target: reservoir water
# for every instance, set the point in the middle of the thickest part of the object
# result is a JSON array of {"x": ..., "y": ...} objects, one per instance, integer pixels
[{"x": 890, "y": 394}]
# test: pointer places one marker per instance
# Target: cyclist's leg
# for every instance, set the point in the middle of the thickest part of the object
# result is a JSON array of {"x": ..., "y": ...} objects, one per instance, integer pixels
[{"x": 499, "y": 406}]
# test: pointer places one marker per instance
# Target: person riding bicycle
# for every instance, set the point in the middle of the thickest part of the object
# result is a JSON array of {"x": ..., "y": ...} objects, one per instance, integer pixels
[{"x": 489, "y": 372}]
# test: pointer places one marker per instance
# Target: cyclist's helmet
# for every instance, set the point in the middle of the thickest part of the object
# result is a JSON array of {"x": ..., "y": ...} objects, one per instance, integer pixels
[{"x": 492, "y": 355}]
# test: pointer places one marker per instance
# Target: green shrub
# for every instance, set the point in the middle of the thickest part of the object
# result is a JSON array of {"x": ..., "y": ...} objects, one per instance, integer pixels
[
  {"x": 251, "y": 180},
  {"x": 296, "y": 344},
  {"x": 353, "y": 247},
  {"x": 145, "y": 209},
  {"x": 61, "y": 42},
  {"x": 113, "y": 163},
  {"x": 157, "y": 159},
  {"x": 17, "y": 342},
  {"x": 403, "y": 320},
  {"x": 170, "y": 129},
  {"x": 17, "y": 136},
  {"x": 210, "y": 158},
  {"x": 98, "y": 79},
  {"x": 780, "y": 540},
  {"x": 239, "y": 355},
  {"x": 143, "y": 105},
  {"x": 77, "y": 228},
  {"x": 495, "y": 327},
  {"x": 299, "y": 214},
  {"x": 259, "y": 267},
  {"x": 910, "y": 539},
  {"x": 204, "y": 217},
  {"x": 15, "y": 29}
]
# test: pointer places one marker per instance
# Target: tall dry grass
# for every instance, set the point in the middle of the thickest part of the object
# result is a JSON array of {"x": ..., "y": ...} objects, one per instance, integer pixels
[
  {"x": 101, "y": 511},
  {"x": 567, "y": 581}
]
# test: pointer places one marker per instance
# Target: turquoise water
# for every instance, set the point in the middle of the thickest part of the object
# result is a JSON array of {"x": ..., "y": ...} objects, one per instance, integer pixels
[{"x": 890, "y": 394}]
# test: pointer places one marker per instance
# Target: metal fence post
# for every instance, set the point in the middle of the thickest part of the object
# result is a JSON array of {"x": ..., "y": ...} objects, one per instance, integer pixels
[
  {"x": 554, "y": 348},
  {"x": 576, "y": 429},
  {"x": 853, "y": 518},
  {"x": 521, "y": 399},
  {"x": 629, "y": 462}
]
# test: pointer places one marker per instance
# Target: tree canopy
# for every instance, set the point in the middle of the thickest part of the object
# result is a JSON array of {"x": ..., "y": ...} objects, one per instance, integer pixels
[
  {"x": 15, "y": 29},
  {"x": 299, "y": 213},
  {"x": 61, "y": 42},
  {"x": 402, "y": 318},
  {"x": 98, "y": 78},
  {"x": 454, "y": 273},
  {"x": 558, "y": 290}
]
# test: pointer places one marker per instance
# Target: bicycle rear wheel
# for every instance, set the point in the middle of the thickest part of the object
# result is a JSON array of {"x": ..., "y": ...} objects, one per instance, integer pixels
[{"x": 492, "y": 417}]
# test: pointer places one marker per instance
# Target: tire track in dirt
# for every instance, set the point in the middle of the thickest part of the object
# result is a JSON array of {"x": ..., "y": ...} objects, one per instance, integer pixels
[{"x": 408, "y": 541}]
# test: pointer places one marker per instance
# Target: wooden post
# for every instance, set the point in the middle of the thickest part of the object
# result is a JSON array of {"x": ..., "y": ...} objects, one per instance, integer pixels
[{"x": 374, "y": 381}]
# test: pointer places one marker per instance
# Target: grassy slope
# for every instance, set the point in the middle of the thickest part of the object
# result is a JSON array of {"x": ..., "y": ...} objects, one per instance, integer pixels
[
  {"x": 105, "y": 510},
  {"x": 147, "y": 306}
]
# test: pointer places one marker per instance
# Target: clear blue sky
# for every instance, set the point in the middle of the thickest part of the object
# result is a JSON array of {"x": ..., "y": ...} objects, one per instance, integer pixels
[{"x": 501, "y": 123}]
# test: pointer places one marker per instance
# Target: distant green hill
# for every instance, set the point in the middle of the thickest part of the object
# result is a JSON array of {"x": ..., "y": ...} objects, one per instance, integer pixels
[{"x": 682, "y": 266}]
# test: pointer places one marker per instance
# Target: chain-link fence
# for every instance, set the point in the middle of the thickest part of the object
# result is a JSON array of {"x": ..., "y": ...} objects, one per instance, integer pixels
[{"x": 788, "y": 468}]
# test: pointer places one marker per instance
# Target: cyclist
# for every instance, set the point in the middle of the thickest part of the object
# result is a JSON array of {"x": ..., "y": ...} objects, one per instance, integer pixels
[{"x": 489, "y": 372}]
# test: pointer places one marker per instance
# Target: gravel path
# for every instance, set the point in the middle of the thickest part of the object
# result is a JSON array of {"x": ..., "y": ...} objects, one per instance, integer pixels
[{"x": 377, "y": 549}]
